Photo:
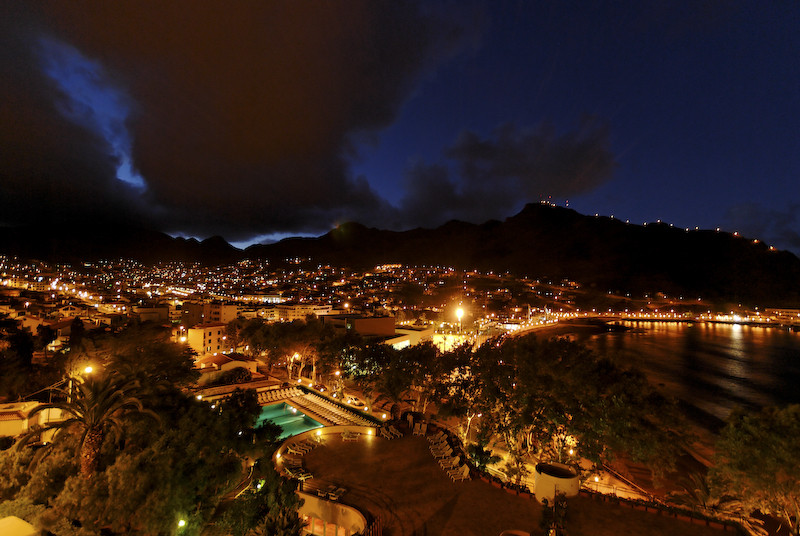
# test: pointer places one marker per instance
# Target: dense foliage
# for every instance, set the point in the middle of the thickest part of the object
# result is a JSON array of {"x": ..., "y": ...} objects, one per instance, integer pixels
[
  {"x": 134, "y": 454},
  {"x": 758, "y": 461}
]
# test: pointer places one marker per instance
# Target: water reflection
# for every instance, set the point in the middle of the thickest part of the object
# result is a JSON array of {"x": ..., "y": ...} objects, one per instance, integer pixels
[{"x": 713, "y": 367}]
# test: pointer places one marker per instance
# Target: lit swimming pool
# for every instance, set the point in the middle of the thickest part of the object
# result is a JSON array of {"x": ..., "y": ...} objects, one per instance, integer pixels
[{"x": 291, "y": 420}]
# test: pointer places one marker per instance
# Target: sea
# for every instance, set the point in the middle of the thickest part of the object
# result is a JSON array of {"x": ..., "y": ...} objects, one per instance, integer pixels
[{"x": 711, "y": 368}]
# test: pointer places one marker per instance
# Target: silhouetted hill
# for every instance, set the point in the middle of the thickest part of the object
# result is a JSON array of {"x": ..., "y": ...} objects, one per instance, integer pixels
[
  {"x": 541, "y": 241},
  {"x": 558, "y": 243},
  {"x": 77, "y": 242}
]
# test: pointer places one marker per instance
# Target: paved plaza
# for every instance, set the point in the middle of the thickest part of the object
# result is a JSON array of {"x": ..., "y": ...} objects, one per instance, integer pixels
[{"x": 400, "y": 481}]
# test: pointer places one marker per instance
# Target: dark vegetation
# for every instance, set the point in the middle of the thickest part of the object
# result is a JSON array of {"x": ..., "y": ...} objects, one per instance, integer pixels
[{"x": 137, "y": 453}]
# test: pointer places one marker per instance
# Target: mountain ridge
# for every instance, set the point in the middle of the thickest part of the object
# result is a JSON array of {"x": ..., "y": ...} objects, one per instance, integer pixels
[{"x": 541, "y": 241}]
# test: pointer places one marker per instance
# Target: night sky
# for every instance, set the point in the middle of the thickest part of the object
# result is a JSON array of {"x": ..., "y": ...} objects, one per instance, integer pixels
[{"x": 258, "y": 120}]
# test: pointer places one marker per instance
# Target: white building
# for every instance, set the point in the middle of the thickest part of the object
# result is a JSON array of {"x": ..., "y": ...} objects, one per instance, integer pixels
[
  {"x": 299, "y": 311},
  {"x": 207, "y": 338}
]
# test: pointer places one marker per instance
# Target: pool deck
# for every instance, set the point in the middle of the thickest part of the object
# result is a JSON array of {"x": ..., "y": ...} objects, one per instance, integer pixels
[{"x": 400, "y": 481}]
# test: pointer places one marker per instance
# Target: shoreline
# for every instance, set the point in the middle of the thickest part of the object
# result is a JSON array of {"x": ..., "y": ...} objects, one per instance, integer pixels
[{"x": 704, "y": 426}]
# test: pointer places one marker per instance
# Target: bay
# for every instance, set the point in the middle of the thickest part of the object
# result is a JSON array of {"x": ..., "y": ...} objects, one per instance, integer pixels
[{"x": 711, "y": 368}]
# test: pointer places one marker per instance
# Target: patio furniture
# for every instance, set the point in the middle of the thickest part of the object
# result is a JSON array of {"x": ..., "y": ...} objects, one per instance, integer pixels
[
  {"x": 449, "y": 463},
  {"x": 323, "y": 492},
  {"x": 420, "y": 428},
  {"x": 309, "y": 444},
  {"x": 299, "y": 447},
  {"x": 443, "y": 453},
  {"x": 298, "y": 474},
  {"x": 385, "y": 433},
  {"x": 439, "y": 436},
  {"x": 394, "y": 431},
  {"x": 338, "y": 492},
  {"x": 460, "y": 473},
  {"x": 293, "y": 463},
  {"x": 347, "y": 435},
  {"x": 439, "y": 444}
]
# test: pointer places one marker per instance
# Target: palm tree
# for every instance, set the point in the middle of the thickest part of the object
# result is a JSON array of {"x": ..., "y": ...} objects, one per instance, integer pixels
[
  {"x": 393, "y": 384},
  {"x": 95, "y": 409}
]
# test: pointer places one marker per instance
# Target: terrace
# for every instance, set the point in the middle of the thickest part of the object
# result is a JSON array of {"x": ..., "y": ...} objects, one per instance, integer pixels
[{"x": 401, "y": 483}]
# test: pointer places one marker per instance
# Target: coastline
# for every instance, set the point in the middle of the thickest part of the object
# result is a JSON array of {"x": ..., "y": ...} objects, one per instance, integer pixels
[{"x": 703, "y": 426}]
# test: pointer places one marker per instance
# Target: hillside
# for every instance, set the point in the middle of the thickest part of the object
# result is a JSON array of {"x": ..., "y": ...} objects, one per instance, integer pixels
[{"x": 542, "y": 241}]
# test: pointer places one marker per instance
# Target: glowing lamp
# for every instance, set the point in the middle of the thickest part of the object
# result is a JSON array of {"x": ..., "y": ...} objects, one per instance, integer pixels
[{"x": 181, "y": 523}]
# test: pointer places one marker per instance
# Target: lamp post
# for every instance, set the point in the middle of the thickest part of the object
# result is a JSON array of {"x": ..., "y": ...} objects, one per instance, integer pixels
[
  {"x": 87, "y": 370},
  {"x": 459, "y": 314}
]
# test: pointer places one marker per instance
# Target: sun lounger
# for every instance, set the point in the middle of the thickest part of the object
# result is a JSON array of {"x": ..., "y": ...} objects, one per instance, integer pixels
[
  {"x": 298, "y": 474},
  {"x": 323, "y": 492},
  {"x": 439, "y": 443},
  {"x": 385, "y": 433},
  {"x": 293, "y": 449},
  {"x": 394, "y": 431},
  {"x": 449, "y": 463},
  {"x": 303, "y": 476},
  {"x": 338, "y": 492},
  {"x": 443, "y": 453},
  {"x": 350, "y": 436},
  {"x": 293, "y": 463},
  {"x": 309, "y": 444},
  {"x": 461, "y": 473},
  {"x": 440, "y": 435}
]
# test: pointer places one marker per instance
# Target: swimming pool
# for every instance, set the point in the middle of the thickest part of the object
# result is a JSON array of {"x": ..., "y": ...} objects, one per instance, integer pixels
[{"x": 291, "y": 420}]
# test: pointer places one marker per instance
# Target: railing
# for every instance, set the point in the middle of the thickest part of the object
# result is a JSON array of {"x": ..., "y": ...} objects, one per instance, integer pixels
[{"x": 374, "y": 528}]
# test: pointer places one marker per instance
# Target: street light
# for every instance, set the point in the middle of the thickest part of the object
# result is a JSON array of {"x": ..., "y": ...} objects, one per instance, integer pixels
[{"x": 459, "y": 314}]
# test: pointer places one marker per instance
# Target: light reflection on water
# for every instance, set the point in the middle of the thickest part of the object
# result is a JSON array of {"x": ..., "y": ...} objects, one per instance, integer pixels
[{"x": 714, "y": 367}]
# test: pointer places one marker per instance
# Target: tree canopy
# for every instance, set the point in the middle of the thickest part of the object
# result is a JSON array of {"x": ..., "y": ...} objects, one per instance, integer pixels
[
  {"x": 557, "y": 400},
  {"x": 758, "y": 460}
]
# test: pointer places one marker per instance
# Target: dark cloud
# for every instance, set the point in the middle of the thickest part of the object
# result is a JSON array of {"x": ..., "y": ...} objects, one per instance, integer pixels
[
  {"x": 777, "y": 227},
  {"x": 241, "y": 116},
  {"x": 50, "y": 168},
  {"x": 514, "y": 166}
]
